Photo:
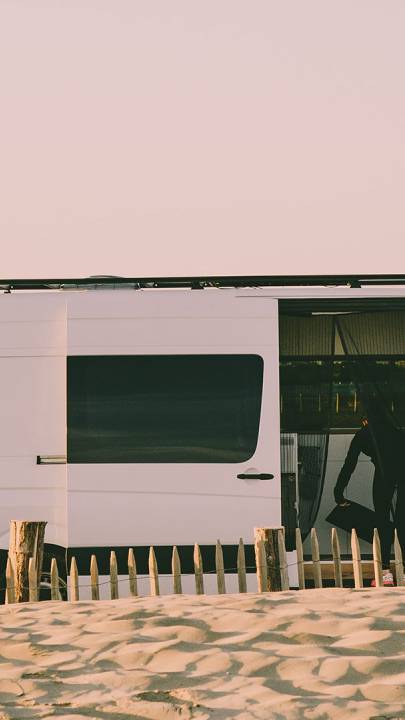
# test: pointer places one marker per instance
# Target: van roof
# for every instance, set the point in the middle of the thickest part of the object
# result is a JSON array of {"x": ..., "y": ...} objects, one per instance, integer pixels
[{"x": 200, "y": 282}]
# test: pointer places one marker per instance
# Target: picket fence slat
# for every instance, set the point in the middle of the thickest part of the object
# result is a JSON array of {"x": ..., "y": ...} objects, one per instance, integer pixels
[
  {"x": 95, "y": 589},
  {"x": 133, "y": 584},
  {"x": 32, "y": 580},
  {"x": 316, "y": 559},
  {"x": 74, "y": 581},
  {"x": 219, "y": 565},
  {"x": 198, "y": 570},
  {"x": 241, "y": 563},
  {"x": 377, "y": 559},
  {"x": 113, "y": 576},
  {"x": 337, "y": 563},
  {"x": 300, "y": 559},
  {"x": 153, "y": 573},
  {"x": 357, "y": 567},
  {"x": 176, "y": 570},
  {"x": 54, "y": 580},
  {"x": 399, "y": 567},
  {"x": 10, "y": 582}
]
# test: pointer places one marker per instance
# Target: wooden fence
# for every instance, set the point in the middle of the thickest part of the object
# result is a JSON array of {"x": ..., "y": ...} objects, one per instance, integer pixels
[{"x": 270, "y": 564}]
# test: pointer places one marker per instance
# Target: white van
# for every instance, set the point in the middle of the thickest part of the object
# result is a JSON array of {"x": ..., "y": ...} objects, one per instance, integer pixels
[{"x": 135, "y": 414}]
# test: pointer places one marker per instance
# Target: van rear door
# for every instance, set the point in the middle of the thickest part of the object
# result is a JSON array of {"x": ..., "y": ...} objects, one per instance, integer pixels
[{"x": 33, "y": 412}]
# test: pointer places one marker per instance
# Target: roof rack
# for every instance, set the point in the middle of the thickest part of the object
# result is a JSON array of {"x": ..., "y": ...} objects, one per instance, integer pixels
[{"x": 201, "y": 282}]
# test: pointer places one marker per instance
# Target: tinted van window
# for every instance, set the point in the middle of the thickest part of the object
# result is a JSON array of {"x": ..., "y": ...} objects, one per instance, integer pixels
[{"x": 163, "y": 409}]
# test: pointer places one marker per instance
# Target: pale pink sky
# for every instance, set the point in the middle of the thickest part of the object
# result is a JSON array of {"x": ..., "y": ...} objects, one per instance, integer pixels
[{"x": 169, "y": 137}]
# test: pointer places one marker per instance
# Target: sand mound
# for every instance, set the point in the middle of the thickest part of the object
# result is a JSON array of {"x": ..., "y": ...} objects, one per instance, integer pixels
[{"x": 315, "y": 654}]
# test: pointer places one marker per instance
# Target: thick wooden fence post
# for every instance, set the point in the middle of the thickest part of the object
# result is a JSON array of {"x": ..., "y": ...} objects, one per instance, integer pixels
[
  {"x": 26, "y": 540},
  {"x": 261, "y": 565},
  {"x": 273, "y": 545},
  {"x": 285, "y": 581}
]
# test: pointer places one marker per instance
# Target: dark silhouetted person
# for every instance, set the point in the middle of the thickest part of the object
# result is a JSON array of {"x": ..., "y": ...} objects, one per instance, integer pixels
[{"x": 385, "y": 446}]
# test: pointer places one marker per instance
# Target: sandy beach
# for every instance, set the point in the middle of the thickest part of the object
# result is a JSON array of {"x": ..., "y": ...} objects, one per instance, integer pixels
[{"x": 330, "y": 653}]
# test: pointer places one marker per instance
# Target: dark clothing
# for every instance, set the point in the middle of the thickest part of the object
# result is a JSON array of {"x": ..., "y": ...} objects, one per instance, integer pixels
[
  {"x": 385, "y": 446},
  {"x": 386, "y": 449}
]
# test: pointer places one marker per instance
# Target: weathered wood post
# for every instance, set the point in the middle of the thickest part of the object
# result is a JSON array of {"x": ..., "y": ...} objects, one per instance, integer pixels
[
  {"x": 377, "y": 559},
  {"x": 357, "y": 566},
  {"x": 241, "y": 567},
  {"x": 337, "y": 565},
  {"x": 273, "y": 541},
  {"x": 176, "y": 570},
  {"x": 133, "y": 584},
  {"x": 26, "y": 540},
  {"x": 219, "y": 565},
  {"x": 74, "y": 581},
  {"x": 95, "y": 588},
  {"x": 399, "y": 567},
  {"x": 316, "y": 560},
  {"x": 300, "y": 559}
]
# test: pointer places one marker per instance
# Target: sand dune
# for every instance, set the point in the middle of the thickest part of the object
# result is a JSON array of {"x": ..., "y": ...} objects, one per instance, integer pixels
[{"x": 317, "y": 654}]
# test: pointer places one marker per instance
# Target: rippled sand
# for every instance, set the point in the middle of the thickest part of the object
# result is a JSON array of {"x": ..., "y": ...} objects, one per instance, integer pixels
[{"x": 316, "y": 654}]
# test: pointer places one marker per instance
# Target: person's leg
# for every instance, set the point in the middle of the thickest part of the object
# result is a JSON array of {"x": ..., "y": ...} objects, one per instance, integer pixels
[{"x": 383, "y": 491}]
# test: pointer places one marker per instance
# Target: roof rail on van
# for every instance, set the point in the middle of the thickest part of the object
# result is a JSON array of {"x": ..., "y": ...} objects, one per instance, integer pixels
[{"x": 197, "y": 282}]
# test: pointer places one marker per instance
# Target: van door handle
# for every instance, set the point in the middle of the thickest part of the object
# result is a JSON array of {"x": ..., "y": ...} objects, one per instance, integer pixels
[{"x": 254, "y": 476}]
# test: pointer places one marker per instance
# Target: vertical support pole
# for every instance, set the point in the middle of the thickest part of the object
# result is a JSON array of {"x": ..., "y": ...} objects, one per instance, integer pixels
[
  {"x": 133, "y": 584},
  {"x": 337, "y": 564},
  {"x": 219, "y": 565},
  {"x": 241, "y": 563},
  {"x": 26, "y": 540},
  {"x": 176, "y": 570},
  {"x": 74, "y": 581},
  {"x": 377, "y": 559},
  {"x": 316, "y": 561},
  {"x": 357, "y": 568},
  {"x": 153, "y": 573},
  {"x": 95, "y": 590},
  {"x": 54, "y": 580},
  {"x": 113, "y": 576},
  {"x": 300, "y": 559},
  {"x": 271, "y": 541}
]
